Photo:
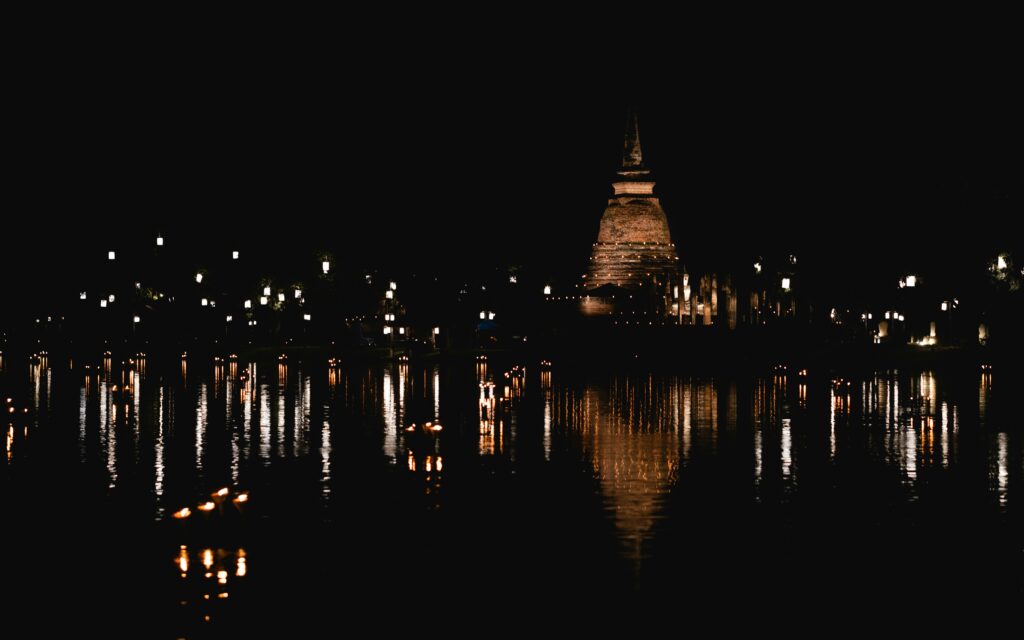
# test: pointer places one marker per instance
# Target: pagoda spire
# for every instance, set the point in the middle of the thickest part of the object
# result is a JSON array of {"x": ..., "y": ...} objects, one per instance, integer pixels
[{"x": 632, "y": 156}]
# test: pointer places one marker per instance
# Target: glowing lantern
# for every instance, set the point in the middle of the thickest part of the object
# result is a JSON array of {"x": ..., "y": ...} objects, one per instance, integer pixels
[
  {"x": 785, "y": 283},
  {"x": 81, "y": 296},
  {"x": 298, "y": 293},
  {"x": 389, "y": 294},
  {"x": 483, "y": 315},
  {"x": 266, "y": 291},
  {"x": 205, "y": 302},
  {"x": 945, "y": 306},
  {"x": 911, "y": 281},
  {"x": 437, "y": 331},
  {"x": 110, "y": 255},
  {"x": 103, "y": 304},
  {"x": 547, "y": 289},
  {"x": 326, "y": 266},
  {"x": 234, "y": 255},
  {"x": 393, "y": 285},
  {"x": 136, "y": 319},
  {"x": 228, "y": 319},
  {"x": 159, "y": 241},
  {"x": 110, "y": 297},
  {"x": 263, "y": 300},
  {"x": 387, "y": 331},
  {"x": 280, "y": 297},
  {"x": 248, "y": 304},
  {"x": 307, "y": 317},
  {"x": 199, "y": 278}
]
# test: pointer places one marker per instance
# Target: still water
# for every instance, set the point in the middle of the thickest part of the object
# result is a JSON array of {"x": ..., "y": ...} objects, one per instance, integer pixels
[{"x": 314, "y": 490}]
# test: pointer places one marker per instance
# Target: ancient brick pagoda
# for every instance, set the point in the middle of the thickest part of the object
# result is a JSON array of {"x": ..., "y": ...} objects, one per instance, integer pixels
[{"x": 634, "y": 249}]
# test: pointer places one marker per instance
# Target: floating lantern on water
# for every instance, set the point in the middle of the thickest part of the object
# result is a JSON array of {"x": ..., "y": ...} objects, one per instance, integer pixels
[
  {"x": 207, "y": 506},
  {"x": 182, "y": 514},
  {"x": 242, "y": 497}
]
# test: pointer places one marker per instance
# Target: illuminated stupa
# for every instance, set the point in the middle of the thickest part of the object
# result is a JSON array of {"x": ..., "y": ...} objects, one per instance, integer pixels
[{"x": 634, "y": 248}]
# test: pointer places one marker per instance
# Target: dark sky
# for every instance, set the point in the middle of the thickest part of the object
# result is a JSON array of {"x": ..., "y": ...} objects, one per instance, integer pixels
[{"x": 861, "y": 163}]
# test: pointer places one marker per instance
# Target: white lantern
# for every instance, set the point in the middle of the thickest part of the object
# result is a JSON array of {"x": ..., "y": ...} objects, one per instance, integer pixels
[
  {"x": 389, "y": 294},
  {"x": 248, "y": 304},
  {"x": 110, "y": 255},
  {"x": 280, "y": 297},
  {"x": 136, "y": 319},
  {"x": 945, "y": 306},
  {"x": 159, "y": 241},
  {"x": 234, "y": 255},
  {"x": 103, "y": 303},
  {"x": 401, "y": 330},
  {"x": 263, "y": 300},
  {"x": 1001, "y": 263},
  {"x": 326, "y": 266},
  {"x": 199, "y": 278},
  {"x": 757, "y": 267},
  {"x": 307, "y": 317},
  {"x": 228, "y": 319},
  {"x": 266, "y": 291},
  {"x": 387, "y": 331},
  {"x": 110, "y": 297},
  {"x": 298, "y": 293},
  {"x": 205, "y": 302},
  {"x": 483, "y": 314},
  {"x": 547, "y": 289},
  {"x": 911, "y": 281},
  {"x": 393, "y": 285},
  {"x": 490, "y": 316},
  {"x": 785, "y": 284},
  {"x": 437, "y": 330},
  {"x": 887, "y": 315},
  {"x": 81, "y": 296}
]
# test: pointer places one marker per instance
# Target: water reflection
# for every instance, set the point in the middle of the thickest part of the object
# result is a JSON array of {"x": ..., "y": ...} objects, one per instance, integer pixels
[{"x": 326, "y": 432}]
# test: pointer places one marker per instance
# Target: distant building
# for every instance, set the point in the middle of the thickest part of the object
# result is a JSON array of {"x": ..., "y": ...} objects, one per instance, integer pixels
[
  {"x": 635, "y": 277},
  {"x": 634, "y": 254}
]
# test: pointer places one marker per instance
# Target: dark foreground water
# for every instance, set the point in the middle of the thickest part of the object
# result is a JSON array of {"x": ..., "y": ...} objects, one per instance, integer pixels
[{"x": 546, "y": 493}]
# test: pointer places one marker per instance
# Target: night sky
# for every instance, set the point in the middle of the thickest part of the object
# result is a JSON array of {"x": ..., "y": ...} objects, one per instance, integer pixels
[{"x": 863, "y": 166}]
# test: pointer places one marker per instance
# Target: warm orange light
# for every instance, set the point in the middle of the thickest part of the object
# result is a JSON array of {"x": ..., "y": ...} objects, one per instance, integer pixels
[
  {"x": 222, "y": 577},
  {"x": 436, "y": 427},
  {"x": 207, "y": 506},
  {"x": 222, "y": 492},
  {"x": 184, "y": 513},
  {"x": 242, "y": 497},
  {"x": 183, "y": 561},
  {"x": 208, "y": 558},
  {"x": 240, "y": 570}
]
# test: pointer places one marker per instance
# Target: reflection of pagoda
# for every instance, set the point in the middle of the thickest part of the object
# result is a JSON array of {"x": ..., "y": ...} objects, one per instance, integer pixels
[
  {"x": 634, "y": 250},
  {"x": 635, "y": 453}
]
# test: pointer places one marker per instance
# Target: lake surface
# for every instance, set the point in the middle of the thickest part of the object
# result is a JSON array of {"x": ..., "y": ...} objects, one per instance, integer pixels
[{"x": 542, "y": 486}]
